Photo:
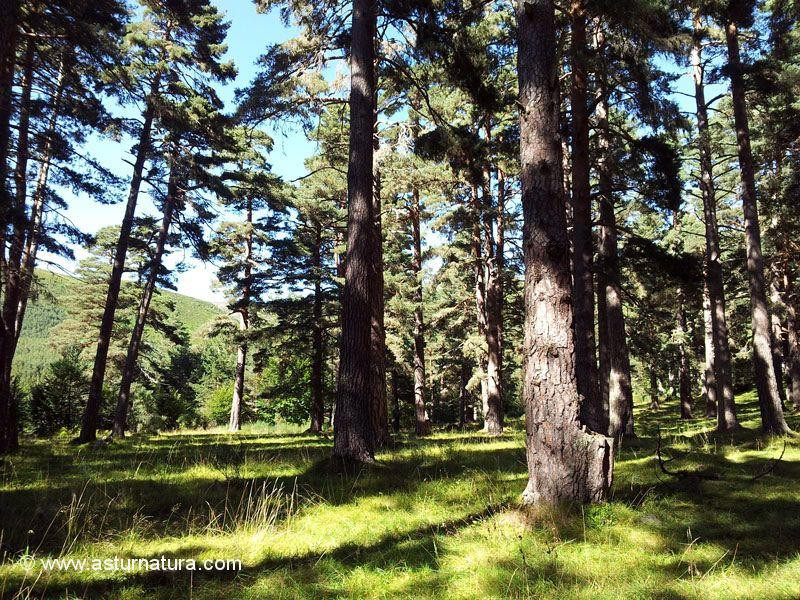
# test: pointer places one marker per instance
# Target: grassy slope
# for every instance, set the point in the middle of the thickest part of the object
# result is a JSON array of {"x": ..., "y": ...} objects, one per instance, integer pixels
[
  {"x": 439, "y": 518},
  {"x": 46, "y": 311}
]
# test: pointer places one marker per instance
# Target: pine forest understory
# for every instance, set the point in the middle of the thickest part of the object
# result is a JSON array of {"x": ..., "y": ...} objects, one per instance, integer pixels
[{"x": 416, "y": 298}]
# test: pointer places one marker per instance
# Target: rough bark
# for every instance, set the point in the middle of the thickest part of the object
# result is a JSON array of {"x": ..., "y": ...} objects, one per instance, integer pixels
[
  {"x": 9, "y": 16},
  {"x": 354, "y": 438},
  {"x": 592, "y": 413},
  {"x": 653, "y": 391},
  {"x": 92, "y": 410},
  {"x": 134, "y": 345},
  {"x": 395, "y": 402},
  {"x": 566, "y": 462},
  {"x": 776, "y": 298},
  {"x": 480, "y": 294},
  {"x": 772, "y": 419},
  {"x": 318, "y": 346},
  {"x": 684, "y": 376}
]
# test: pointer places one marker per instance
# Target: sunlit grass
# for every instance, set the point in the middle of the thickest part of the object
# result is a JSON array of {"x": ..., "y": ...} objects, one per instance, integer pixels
[{"x": 438, "y": 517}]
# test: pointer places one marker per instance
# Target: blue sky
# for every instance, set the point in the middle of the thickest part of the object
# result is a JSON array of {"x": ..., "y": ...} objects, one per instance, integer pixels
[{"x": 249, "y": 35}]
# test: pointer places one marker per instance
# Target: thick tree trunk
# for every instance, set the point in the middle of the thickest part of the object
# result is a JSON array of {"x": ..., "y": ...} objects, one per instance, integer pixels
[
  {"x": 772, "y": 419},
  {"x": 726, "y": 408},
  {"x": 684, "y": 377},
  {"x": 421, "y": 422},
  {"x": 132, "y": 357},
  {"x": 592, "y": 413},
  {"x": 317, "y": 341},
  {"x": 566, "y": 462},
  {"x": 710, "y": 387},
  {"x": 354, "y": 437},
  {"x": 92, "y": 411},
  {"x": 9, "y": 17}
]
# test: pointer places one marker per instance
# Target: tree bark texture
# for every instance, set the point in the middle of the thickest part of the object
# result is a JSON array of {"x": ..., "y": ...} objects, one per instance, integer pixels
[
  {"x": 317, "y": 341},
  {"x": 566, "y": 462}
]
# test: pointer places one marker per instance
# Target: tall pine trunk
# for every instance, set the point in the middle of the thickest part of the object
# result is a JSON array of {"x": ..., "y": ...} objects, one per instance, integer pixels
[
  {"x": 13, "y": 280},
  {"x": 772, "y": 420},
  {"x": 776, "y": 298},
  {"x": 493, "y": 416},
  {"x": 684, "y": 377},
  {"x": 34, "y": 233},
  {"x": 592, "y": 412},
  {"x": 620, "y": 392},
  {"x": 565, "y": 461},
  {"x": 92, "y": 411},
  {"x": 354, "y": 437},
  {"x": 134, "y": 345},
  {"x": 710, "y": 384},
  {"x": 421, "y": 422},
  {"x": 793, "y": 338},
  {"x": 317, "y": 341},
  {"x": 380, "y": 409},
  {"x": 480, "y": 294},
  {"x": 235, "y": 421},
  {"x": 726, "y": 408}
]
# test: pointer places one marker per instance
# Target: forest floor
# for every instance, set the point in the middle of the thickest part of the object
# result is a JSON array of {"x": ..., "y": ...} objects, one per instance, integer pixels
[{"x": 438, "y": 517}]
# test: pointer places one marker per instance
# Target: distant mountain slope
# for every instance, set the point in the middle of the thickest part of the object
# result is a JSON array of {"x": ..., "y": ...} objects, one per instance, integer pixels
[{"x": 46, "y": 311}]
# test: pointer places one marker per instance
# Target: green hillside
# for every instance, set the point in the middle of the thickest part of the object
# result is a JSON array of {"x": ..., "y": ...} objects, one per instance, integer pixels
[{"x": 46, "y": 310}]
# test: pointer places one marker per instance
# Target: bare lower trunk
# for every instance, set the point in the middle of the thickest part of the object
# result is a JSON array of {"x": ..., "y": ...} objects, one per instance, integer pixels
[
  {"x": 620, "y": 393},
  {"x": 726, "y": 408},
  {"x": 480, "y": 296},
  {"x": 592, "y": 412},
  {"x": 684, "y": 377},
  {"x": 772, "y": 419},
  {"x": 776, "y": 297},
  {"x": 395, "y": 403},
  {"x": 793, "y": 338},
  {"x": 380, "y": 410},
  {"x": 354, "y": 437},
  {"x": 91, "y": 413},
  {"x": 493, "y": 414},
  {"x": 318, "y": 347},
  {"x": 653, "y": 391},
  {"x": 565, "y": 461},
  {"x": 709, "y": 374},
  {"x": 132, "y": 357},
  {"x": 235, "y": 420}
]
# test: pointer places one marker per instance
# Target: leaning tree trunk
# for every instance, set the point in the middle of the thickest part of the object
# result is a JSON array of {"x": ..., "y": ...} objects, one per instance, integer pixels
[
  {"x": 421, "y": 422},
  {"x": 566, "y": 462},
  {"x": 592, "y": 412},
  {"x": 37, "y": 205},
  {"x": 772, "y": 419},
  {"x": 354, "y": 437},
  {"x": 317, "y": 339},
  {"x": 12, "y": 280},
  {"x": 726, "y": 408},
  {"x": 493, "y": 415},
  {"x": 134, "y": 345},
  {"x": 92, "y": 411},
  {"x": 684, "y": 377}
]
